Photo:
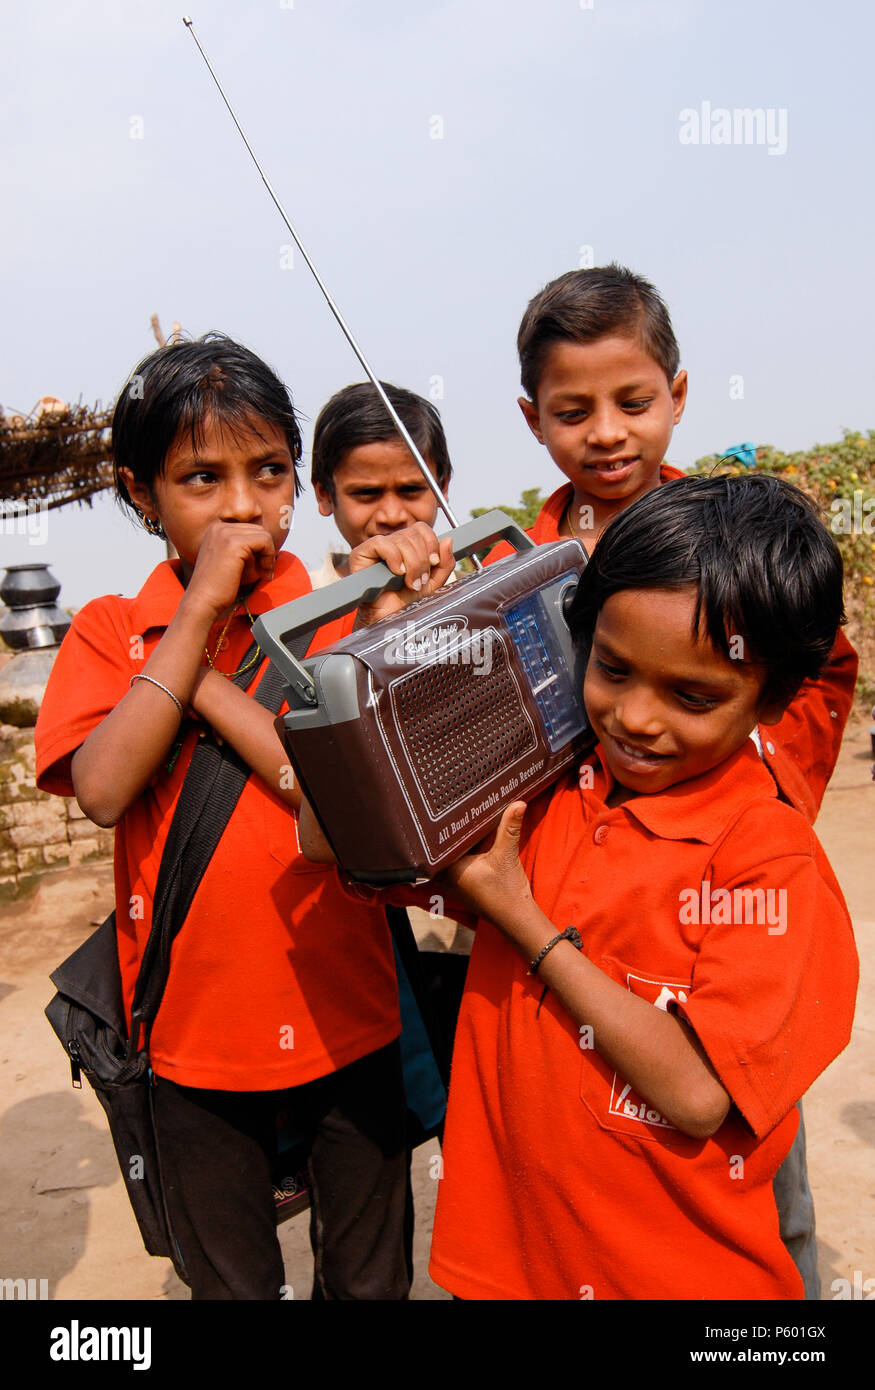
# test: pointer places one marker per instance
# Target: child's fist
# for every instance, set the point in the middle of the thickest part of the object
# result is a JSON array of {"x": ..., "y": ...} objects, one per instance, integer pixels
[{"x": 231, "y": 554}]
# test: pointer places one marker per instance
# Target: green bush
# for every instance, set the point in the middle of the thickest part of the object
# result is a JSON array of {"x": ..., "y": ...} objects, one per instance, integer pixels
[{"x": 526, "y": 514}]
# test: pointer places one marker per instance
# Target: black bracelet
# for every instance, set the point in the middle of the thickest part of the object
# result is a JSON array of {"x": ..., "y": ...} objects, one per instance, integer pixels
[{"x": 569, "y": 934}]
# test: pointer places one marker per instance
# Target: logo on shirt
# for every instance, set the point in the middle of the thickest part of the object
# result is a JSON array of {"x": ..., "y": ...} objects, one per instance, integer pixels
[{"x": 624, "y": 1099}]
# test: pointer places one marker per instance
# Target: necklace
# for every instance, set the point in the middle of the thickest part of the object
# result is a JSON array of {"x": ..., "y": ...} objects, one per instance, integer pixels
[
  {"x": 574, "y": 532},
  {"x": 229, "y": 675}
]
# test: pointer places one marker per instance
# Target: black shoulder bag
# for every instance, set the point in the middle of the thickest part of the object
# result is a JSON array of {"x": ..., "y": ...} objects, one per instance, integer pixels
[{"x": 87, "y": 1013}]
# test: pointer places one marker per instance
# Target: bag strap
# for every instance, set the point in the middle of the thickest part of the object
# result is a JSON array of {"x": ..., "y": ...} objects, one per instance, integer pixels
[{"x": 213, "y": 783}]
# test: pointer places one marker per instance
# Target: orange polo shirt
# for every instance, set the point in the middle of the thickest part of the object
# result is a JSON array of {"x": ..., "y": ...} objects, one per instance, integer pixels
[
  {"x": 559, "y": 1180},
  {"x": 276, "y": 978},
  {"x": 801, "y": 750}
]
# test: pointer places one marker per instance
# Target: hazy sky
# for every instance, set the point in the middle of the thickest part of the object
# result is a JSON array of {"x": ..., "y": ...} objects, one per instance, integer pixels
[{"x": 564, "y": 132}]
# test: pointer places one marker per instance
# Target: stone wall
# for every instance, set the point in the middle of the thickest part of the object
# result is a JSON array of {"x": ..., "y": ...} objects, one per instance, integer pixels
[{"x": 38, "y": 832}]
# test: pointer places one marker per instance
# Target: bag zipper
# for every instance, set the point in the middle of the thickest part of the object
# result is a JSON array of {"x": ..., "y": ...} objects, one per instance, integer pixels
[{"x": 75, "y": 1061}]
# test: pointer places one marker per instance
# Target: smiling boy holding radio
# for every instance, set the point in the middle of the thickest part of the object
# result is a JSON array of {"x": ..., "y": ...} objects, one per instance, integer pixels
[
  {"x": 624, "y": 1087},
  {"x": 629, "y": 1150}
]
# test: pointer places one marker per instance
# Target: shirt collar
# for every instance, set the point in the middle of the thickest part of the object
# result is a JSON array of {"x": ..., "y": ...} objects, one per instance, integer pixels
[
  {"x": 546, "y": 527},
  {"x": 699, "y": 809},
  {"x": 159, "y": 598}
]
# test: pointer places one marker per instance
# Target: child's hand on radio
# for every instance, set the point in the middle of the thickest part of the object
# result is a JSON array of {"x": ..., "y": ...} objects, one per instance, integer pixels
[
  {"x": 492, "y": 880},
  {"x": 415, "y": 552}
]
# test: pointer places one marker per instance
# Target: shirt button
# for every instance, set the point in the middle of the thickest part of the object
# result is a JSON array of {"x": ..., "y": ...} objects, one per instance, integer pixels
[
  {"x": 833, "y": 714},
  {"x": 770, "y": 748},
  {"x": 601, "y": 835}
]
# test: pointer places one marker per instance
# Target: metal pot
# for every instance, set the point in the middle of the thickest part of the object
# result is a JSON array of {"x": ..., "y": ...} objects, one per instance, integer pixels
[{"x": 32, "y": 618}]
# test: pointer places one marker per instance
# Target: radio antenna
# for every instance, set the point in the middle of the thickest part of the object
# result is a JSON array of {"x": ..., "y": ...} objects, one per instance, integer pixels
[{"x": 398, "y": 422}]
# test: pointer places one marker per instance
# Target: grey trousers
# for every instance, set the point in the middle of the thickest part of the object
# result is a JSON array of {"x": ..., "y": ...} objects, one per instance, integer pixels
[{"x": 796, "y": 1212}]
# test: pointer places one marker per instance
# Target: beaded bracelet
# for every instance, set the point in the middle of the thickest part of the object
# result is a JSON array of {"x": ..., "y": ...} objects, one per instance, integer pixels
[
  {"x": 569, "y": 934},
  {"x": 152, "y": 681}
]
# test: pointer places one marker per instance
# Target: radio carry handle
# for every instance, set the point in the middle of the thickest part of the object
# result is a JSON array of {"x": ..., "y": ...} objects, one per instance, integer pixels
[{"x": 273, "y": 630}]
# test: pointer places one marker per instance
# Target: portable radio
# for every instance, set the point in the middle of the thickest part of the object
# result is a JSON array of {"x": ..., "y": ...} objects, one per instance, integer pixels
[{"x": 410, "y": 737}]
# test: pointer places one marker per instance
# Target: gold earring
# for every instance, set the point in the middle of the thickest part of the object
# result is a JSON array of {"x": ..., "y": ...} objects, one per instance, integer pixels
[{"x": 152, "y": 525}]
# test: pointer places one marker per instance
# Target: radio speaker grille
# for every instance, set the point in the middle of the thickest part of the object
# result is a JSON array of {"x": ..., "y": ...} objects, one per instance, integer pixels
[{"x": 460, "y": 727}]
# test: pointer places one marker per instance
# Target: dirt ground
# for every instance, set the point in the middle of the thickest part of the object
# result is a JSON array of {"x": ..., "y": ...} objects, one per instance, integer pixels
[{"x": 64, "y": 1215}]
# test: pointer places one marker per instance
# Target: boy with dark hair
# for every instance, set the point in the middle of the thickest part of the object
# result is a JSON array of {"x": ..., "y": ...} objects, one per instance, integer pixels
[
  {"x": 363, "y": 474},
  {"x": 365, "y": 477},
  {"x": 624, "y": 1087},
  {"x": 599, "y": 363}
]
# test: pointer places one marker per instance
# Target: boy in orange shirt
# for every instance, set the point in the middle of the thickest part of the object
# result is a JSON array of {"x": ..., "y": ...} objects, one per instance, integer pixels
[
  {"x": 599, "y": 363},
  {"x": 624, "y": 1087}
]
